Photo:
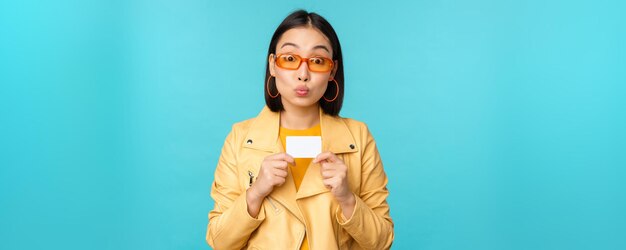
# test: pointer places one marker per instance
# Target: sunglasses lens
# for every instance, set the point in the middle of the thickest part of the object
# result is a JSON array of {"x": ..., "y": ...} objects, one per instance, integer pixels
[
  {"x": 320, "y": 64},
  {"x": 288, "y": 61},
  {"x": 315, "y": 64}
]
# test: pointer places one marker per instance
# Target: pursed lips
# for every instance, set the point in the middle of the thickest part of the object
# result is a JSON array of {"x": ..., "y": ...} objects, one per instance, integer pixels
[{"x": 302, "y": 90}]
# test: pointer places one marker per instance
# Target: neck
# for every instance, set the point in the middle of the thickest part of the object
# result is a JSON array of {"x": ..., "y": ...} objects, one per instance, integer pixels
[{"x": 299, "y": 117}]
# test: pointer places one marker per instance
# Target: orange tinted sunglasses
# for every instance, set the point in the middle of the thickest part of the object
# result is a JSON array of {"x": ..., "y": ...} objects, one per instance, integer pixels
[{"x": 315, "y": 64}]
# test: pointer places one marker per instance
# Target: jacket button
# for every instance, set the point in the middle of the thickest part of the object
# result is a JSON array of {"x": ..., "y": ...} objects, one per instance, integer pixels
[
  {"x": 249, "y": 141},
  {"x": 351, "y": 146}
]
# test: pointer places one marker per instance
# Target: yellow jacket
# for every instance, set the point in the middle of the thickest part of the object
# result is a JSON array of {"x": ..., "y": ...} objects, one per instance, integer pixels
[{"x": 286, "y": 215}]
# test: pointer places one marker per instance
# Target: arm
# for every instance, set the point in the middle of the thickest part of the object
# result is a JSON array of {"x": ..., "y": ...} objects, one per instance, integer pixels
[
  {"x": 370, "y": 224},
  {"x": 230, "y": 224}
]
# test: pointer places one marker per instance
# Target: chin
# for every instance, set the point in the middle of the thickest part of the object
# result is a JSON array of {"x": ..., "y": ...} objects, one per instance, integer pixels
[{"x": 302, "y": 102}]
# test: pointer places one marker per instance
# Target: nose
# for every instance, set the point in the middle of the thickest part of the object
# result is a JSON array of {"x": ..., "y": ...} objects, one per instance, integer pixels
[{"x": 303, "y": 72}]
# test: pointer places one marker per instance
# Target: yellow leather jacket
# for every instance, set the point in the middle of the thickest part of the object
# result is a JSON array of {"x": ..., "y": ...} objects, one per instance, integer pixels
[{"x": 285, "y": 214}]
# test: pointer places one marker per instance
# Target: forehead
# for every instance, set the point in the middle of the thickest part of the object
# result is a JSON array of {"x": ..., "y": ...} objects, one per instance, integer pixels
[{"x": 305, "y": 39}]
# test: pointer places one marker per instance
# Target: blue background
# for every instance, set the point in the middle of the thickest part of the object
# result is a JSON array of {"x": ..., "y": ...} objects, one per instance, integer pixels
[{"x": 501, "y": 124}]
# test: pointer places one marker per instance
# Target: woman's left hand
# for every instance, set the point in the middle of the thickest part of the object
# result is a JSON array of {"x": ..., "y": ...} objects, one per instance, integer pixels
[{"x": 335, "y": 176}]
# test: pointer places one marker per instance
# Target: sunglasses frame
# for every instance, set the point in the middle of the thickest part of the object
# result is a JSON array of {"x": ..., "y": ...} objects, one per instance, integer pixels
[{"x": 302, "y": 60}]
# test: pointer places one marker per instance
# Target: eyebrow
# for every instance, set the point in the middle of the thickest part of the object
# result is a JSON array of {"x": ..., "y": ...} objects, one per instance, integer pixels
[{"x": 316, "y": 47}]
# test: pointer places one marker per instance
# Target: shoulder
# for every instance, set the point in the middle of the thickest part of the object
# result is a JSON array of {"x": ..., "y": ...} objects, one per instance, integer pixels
[
  {"x": 358, "y": 129},
  {"x": 266, "y": 118},
  {"x": 244, "y": 125},
  {"x": 354, "y": 125},
  {"x": 237, "y": 133}
]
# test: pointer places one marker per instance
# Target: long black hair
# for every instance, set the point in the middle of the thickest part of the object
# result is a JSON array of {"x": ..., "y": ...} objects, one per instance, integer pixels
[{"x": 302, "y": 18}]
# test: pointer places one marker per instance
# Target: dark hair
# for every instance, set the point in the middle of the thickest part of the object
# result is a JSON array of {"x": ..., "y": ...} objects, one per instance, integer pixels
[{"x": 297, "y": 19}]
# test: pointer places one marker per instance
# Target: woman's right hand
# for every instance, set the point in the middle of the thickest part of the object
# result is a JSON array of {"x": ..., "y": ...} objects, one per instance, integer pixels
[{"x": 273, "y": 172}]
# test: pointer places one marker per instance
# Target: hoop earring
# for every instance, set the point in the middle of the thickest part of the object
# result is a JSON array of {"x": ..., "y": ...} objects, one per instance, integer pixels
[
  {"x": 336, "y": 94},
  {"x": 267, "y": 85}
]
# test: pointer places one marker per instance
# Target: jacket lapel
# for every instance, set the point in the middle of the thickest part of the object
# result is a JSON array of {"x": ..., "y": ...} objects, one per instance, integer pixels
[{"x": 336, "y": 138}]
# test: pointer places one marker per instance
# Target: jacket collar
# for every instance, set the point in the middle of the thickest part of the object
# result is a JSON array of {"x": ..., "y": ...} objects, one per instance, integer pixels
[{"x": 263, "y": 133}]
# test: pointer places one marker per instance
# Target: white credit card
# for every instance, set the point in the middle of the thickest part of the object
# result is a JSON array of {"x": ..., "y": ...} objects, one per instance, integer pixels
[{"x": 304, "y": 146}]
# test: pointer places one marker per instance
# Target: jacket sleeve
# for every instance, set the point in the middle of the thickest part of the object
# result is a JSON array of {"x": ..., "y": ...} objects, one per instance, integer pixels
[
  {"x": 370, "y": 225},
  {"x": 230, "y": 224}
]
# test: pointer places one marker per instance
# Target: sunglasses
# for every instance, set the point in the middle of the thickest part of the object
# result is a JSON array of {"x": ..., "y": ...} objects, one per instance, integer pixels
[{"x": 315, "y": 64}]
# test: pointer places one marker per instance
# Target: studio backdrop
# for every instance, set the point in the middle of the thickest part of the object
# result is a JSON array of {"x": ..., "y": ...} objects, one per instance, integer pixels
[{"x": 501, "y": 124}]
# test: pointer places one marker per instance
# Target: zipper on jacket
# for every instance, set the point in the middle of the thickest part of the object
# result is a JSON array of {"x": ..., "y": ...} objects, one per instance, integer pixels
[
  {"x": 251, "y": 178},
  {"x": 269, "y": 199}
]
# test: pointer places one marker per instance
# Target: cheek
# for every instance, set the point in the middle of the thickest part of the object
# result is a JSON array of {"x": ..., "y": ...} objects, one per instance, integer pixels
[
  {"x": 281, "y": 79},
  {"x": 321, "y": 87}
]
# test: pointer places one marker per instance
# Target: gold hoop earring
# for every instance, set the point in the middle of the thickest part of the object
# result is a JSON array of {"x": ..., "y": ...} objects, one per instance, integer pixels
[
  {"x": 267, "y": 85},
  {"x": 336, "y": 94}
]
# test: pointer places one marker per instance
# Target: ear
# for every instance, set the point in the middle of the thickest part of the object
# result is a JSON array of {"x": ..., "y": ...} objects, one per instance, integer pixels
[
  {"x": 334, "y": 71},
  {"x": 270, "y": 61}
]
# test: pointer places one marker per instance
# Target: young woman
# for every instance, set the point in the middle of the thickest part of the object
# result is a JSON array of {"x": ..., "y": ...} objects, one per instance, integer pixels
[{"x": 267, "y": 199}]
